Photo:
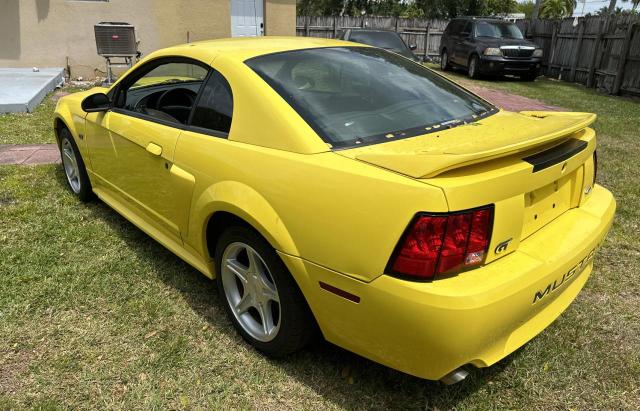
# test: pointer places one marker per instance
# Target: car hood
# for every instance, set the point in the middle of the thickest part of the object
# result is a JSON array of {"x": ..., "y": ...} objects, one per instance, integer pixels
[{"x": 502, "y": 134}]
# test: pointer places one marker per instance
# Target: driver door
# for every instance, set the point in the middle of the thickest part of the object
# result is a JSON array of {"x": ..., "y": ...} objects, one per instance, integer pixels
[{"x": 131, "y": 147}]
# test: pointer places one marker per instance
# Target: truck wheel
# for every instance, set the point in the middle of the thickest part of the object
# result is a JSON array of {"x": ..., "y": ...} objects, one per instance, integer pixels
[
  {"x": 473, "y": 69},
  {"x": 444, "y": 61}
]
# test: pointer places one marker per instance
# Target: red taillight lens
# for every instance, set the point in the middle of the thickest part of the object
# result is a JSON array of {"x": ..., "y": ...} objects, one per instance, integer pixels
[
  {"x": 436, "y": 244},
  {"x": 455, "y": 242},
  {"x": 421, "y": 246}
]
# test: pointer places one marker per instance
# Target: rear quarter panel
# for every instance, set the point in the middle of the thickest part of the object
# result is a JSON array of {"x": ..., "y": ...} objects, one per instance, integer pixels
[{"x": 333, "y": 211}]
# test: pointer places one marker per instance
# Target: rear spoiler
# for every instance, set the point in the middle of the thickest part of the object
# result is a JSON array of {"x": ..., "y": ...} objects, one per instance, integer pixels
[{"x": 553, "y": 126}]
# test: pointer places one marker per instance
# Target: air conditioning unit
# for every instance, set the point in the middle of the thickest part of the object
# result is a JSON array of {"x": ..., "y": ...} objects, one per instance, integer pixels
[{"x": 116, "y": 39}]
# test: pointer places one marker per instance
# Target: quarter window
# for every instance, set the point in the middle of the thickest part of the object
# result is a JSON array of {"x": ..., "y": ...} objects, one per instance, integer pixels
[{"x": 214, "y": 108}]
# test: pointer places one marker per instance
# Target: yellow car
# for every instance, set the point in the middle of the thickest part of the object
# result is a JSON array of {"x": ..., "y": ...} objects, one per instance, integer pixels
[{"x": 338, "y": 187}]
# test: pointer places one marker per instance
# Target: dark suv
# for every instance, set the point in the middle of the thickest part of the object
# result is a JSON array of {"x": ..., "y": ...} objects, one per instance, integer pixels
[
  {"x": 384, "y": 39},
  {"x": 489, "y": 46}
]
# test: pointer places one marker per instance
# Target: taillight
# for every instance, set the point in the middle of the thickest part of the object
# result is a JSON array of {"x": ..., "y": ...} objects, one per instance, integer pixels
[
  {"x": 595, "y": 166},
  {"x": 443, "y": 243}
]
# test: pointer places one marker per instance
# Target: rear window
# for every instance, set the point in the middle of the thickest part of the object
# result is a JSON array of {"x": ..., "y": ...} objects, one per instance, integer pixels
[{"x": 358, "y": 95}]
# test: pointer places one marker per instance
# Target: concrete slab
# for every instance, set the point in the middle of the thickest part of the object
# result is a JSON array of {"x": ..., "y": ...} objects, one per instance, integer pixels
[{"x": 22, "y": 89}]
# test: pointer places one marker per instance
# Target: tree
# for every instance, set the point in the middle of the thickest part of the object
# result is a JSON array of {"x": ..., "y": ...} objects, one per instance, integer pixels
[
  {"x": 556, "y": 9},
  {"x": 536, "y": 9},
  {"x": 406, "y": 8},
  {"x": 494, "y": 7},
  {"x": 526, "y": 8}
]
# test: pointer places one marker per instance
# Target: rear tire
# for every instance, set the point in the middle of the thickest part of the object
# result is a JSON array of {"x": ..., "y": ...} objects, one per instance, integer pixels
[
  {"x": 473, "y": 70},
  {"x": 259, "y": 294},
  {"x": 73, "y": 167},
  {"x": 444, "y": 61}
]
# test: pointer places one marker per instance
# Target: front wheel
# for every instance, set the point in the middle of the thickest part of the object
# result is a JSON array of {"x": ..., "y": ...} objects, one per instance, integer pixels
[
  {"x": 473, "y": 69},
  {"x": 444, "y": 61},
  {"x": 260, "y": 296},
  {"x": 73, "y": 166}
]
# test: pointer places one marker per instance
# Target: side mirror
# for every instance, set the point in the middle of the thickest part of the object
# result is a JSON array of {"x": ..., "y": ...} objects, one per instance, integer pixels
[
  {"x": 465, "y": 34},
  {"x": 96, "y": 102},
  {"x": 412, "y": 47}
]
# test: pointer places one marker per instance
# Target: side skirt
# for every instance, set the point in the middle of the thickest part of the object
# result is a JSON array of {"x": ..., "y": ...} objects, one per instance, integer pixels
[{"x": 205, "y": 267}]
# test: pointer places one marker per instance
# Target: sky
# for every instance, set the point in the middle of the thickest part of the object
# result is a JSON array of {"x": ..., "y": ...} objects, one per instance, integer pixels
[
  {"x": 594, "y": 5},
  {"x": 591, "y": 6}
]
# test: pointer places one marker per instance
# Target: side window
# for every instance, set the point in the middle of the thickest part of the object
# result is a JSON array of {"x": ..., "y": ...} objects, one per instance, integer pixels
[
  {"x": 453, "y": 28},
  {"x": 467, "y": 28},
  {"x": 448, "y": 29},
  {"x": 164, "y": 92},
  {"x": 214, "y": 108}
]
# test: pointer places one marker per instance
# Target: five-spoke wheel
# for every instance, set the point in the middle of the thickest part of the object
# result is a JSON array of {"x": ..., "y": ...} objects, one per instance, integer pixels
[
  {"x": 73, "y": 166},
  {"x": 251, "y": 291},
  {"x": 70, "y": 164},
  {"x": 259, "y": 294}
]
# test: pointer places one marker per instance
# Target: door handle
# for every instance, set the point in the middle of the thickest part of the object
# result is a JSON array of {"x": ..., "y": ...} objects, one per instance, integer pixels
[{"x": 154, "y": 149}]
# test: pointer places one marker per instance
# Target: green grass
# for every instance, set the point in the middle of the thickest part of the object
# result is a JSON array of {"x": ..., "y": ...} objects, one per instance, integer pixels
[
  {"x": 95, "y": 314},
  {"x": 31, "y": 128}
]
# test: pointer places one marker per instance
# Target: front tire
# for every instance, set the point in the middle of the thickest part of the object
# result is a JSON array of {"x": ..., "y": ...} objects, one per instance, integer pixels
[
  {"x": 444, "y": 61},
  {"x": 474, "y": 67},
  {"x": 259, "y": 295},
  {"x": 73, "y": 167}
]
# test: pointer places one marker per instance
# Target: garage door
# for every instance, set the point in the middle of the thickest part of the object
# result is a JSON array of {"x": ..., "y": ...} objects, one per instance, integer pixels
[{"x": 246, "y": 18}]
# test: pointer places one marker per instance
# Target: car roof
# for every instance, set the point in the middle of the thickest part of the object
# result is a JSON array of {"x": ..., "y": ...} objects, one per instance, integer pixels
[
  {"x": 491, "y": 19},
  {"x": 243, "y": 48},
  {"x": 373, "y": 30}
]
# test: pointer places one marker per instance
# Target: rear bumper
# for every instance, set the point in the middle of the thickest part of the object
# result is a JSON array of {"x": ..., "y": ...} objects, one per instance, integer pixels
[
  {"x": 477, "y": 317},
  {"x": 501, "y": 65}
]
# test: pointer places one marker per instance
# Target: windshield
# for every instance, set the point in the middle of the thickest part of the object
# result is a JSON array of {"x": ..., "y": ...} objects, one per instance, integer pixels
[
  {"x": 359, "y": 95},
  {"x": 382, "y": 39},
  {"x": 498, "y": 30}
]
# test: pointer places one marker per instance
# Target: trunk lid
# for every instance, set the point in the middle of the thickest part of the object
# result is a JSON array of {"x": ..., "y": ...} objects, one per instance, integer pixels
[
  {"x": 500, "y": 135},
  {"x": 532, "y": 166}
]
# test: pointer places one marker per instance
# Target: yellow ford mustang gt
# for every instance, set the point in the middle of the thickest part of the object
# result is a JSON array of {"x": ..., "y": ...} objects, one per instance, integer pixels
[{"x": 338, "y": 187}]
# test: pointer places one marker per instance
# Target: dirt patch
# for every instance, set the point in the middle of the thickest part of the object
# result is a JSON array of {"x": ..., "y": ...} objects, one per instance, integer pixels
[
  {"x": 12, "y": 365},
  {"x": 58, "y": 95}
]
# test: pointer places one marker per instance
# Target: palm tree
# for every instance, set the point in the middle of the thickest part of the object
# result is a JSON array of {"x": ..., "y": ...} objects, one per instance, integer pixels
[{"x": 557, "y": 8}]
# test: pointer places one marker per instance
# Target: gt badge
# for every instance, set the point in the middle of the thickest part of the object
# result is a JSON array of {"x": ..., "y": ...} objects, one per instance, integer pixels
[{"x": 502, "y": 246}]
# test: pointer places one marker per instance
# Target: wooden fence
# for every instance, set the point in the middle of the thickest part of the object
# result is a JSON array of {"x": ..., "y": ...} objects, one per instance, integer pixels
[
  {"x": 425, "y": 34},
  {"x": 597, "y": 52}
]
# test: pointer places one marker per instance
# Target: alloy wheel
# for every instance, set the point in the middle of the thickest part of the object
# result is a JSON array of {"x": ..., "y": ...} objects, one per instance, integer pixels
[
  {"x": 70, "y": 164},
  {"x": 250, "y": 291}
]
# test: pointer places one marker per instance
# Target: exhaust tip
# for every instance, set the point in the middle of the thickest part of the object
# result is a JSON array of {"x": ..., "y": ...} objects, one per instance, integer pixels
[{"x": 454, "y": 377}]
